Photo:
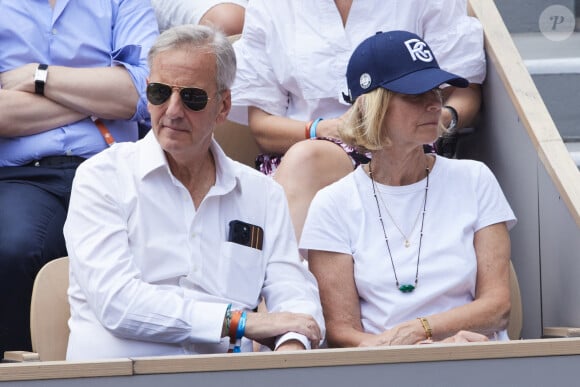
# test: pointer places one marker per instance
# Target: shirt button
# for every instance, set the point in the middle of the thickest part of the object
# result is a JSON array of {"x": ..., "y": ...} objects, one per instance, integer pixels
[{"x": 54, "y": 32}]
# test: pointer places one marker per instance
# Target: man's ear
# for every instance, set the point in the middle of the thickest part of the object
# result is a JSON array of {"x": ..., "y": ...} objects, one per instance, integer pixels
[{"x": 225, "y": 106}]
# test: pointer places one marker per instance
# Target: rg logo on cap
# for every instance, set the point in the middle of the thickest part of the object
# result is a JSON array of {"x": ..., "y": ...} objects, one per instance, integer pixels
[{"x": 418, "y": 50}]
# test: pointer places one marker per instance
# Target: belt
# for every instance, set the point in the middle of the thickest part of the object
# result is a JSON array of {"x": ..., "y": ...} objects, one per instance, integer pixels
[{"x": 56, "y": 161}]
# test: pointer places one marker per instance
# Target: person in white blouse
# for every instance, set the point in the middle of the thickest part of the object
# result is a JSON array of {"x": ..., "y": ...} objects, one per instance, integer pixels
[
  {"x": 227, "y": 16},
  {"x": 172, "y": 244},
  {"x": 292, "y": 57},
  {"x": 411, "y": 247}
]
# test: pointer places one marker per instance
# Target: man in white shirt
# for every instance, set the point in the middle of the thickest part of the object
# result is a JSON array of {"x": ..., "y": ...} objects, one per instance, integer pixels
[{"x": 172, "y": 244}]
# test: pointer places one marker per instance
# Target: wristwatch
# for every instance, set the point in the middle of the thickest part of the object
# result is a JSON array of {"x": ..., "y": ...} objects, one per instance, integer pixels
[
  {"x": 40, "y": 78},
  {"x": 454, "y": 118}
]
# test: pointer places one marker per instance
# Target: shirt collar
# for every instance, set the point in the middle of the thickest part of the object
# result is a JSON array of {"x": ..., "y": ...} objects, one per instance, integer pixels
[{"x": 152, "y": 157}]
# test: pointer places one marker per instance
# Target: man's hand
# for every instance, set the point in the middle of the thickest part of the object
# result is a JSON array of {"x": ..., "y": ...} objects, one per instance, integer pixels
[
  {"x": 20, "y": 78},
  {"x": 261, "y": 326}
]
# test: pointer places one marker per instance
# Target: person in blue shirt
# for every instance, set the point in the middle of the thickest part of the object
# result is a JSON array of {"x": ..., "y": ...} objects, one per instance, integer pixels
[{"x": 72, "y": 82}]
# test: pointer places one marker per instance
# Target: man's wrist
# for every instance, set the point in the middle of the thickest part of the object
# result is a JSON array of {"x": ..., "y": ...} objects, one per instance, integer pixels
[{"x": 40, "y": 78}]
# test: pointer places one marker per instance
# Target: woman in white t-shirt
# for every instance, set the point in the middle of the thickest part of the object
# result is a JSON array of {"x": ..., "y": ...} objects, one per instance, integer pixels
[{"x": 412, "y": 246}]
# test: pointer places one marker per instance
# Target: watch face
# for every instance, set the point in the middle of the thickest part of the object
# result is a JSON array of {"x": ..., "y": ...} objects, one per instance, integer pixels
[{"x": 40, "y": 77}]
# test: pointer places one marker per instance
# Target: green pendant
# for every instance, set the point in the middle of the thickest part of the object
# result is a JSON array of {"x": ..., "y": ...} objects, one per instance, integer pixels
[{"x": 406, "y": 288}]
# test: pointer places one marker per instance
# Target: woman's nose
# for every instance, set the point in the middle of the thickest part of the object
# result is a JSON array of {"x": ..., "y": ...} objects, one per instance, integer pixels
[{"x": 434, "y": 100}]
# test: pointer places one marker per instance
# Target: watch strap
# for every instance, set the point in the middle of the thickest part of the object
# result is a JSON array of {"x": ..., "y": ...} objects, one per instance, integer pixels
[
  {"x": 454, "y": 117},
  {"x": 40, "y": 78}
]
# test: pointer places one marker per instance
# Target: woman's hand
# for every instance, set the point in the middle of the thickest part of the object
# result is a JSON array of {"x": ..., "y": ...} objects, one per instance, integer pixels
[
  {"x": 330, "y": 127},
  {"x": 404, "y": 334},
  {"x": 465, "y": 337},
  {"x": 409, "y": 332}
]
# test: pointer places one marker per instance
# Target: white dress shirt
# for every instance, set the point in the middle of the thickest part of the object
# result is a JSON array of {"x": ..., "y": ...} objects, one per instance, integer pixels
[
  {"x": 292, "y": 55},
  {"x": 150, "y": 274}
]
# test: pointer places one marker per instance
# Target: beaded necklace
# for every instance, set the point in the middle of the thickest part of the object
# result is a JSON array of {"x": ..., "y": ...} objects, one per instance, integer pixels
[{"x": 405, "y": 288}]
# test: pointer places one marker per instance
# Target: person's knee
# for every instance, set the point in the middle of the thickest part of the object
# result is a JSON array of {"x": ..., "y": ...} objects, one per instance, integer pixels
[
  {"x": 18, "y": 258},
  {"x": 25, "y": 248},
  {"x": 319, "y": 160},
  {"x": 227, "y": 17},
  {"x": 305, "y": 153}
]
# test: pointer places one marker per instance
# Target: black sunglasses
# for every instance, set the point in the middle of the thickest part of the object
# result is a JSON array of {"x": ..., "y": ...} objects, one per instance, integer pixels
[{"x": 194, "y": 98}]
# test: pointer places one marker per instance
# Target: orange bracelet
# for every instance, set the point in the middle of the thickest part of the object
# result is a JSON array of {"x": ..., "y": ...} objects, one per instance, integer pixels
[
  {"x": 234, "y": 328},
  {"x": 307, "y": 129}
]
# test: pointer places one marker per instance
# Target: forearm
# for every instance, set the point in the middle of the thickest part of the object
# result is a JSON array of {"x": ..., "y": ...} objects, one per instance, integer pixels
[
  {"x": 276, "y": 134},
  {"x": 466, "y": 101},
  {"x": 105, "y": 92},
  {"x": 483, "y": 316},
  {"x": 340, "y": 335},
  {"x": 24, "y": 114}
]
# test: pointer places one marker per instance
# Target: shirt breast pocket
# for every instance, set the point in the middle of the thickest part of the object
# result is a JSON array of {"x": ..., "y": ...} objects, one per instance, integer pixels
[{"x": 243, "y": 269}]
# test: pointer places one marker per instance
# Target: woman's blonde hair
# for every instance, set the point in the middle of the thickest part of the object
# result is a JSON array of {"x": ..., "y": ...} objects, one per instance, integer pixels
[{"x": 363, "y": 127}]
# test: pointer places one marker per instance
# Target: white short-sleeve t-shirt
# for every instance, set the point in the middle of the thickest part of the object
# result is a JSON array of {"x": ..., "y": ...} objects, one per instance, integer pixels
[{"x": 463, "y": 197}]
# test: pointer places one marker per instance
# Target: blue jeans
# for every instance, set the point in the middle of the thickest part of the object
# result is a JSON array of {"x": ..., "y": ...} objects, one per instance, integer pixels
[{"x": 34, "y": 201}]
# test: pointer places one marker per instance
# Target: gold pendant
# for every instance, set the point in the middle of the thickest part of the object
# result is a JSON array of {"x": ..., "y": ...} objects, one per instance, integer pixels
[{"x": 407, "y": 243}]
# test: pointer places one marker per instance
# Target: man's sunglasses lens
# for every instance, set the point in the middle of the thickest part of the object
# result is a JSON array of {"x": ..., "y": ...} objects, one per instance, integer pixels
[{"x": 193, "y": 98}]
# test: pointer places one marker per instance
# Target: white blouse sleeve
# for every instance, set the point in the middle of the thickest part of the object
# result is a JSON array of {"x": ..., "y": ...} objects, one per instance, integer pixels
[
  {"x": 455, "y": 37},
  {"x": 256, "y": 81},
  {"x": 325, "y": 227},
  {"x": 492, "y": 203}
]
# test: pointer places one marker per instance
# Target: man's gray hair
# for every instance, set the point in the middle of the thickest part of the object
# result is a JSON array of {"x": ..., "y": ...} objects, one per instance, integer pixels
[{"x": 196, "y": 36}]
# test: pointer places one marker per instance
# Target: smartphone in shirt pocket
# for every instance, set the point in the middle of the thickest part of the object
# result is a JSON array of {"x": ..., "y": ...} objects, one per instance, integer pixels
[{"x": 246, "y": 234}]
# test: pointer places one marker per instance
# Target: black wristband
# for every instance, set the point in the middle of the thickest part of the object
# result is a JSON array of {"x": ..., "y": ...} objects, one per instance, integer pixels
[
  {"x": 40, "y": 78},
  {"x": 454, "y": 117}
]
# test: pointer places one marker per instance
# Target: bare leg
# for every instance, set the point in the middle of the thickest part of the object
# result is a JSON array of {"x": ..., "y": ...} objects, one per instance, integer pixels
[
  {"x": 307, "y": 167},
  {"x": 227, "y": 17}
]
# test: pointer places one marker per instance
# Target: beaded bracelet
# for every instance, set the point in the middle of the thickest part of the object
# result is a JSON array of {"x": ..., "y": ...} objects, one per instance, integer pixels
[
  {"x": 227, "y": 320},
  {"x": 426, "y": 327}
]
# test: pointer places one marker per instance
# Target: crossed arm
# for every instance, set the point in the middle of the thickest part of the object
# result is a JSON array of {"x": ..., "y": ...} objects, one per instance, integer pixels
[{"x": 71, "y": 94}]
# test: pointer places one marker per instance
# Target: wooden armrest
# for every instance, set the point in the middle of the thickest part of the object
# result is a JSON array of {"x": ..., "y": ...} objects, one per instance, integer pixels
[
  {"x": 20, "y": 356},
  {"x": 561, "y": 332}
]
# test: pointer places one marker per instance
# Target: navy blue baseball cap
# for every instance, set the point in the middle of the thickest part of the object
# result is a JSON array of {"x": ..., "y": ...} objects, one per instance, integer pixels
[{"x": 399, "y": 61}]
